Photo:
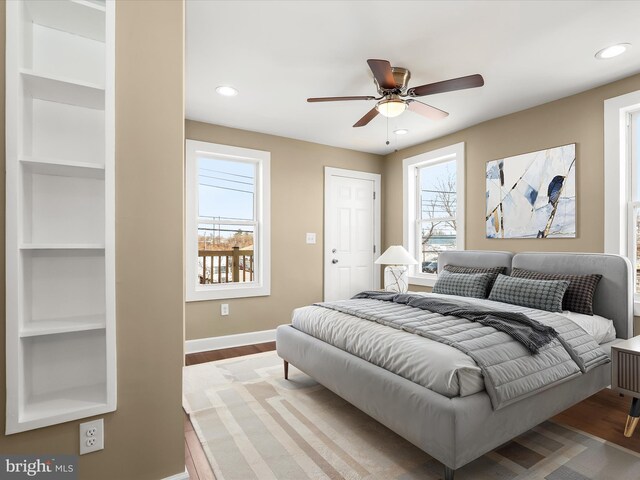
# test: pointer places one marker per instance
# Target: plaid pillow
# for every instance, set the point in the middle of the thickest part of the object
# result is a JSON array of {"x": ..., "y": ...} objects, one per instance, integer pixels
[
  {"x": 578, "y": 297},
  {"x": 540, "y": 294},
  {"x": 460, "y": 269},
  {"x": 463, "y": 284},
  {"x": 494, "y": 270}
]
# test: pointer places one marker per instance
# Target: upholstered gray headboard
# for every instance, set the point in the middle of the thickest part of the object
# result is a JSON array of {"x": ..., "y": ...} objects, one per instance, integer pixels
[
  {"x": 613, "y": 298},
  {"x": 475, "y": 258}
]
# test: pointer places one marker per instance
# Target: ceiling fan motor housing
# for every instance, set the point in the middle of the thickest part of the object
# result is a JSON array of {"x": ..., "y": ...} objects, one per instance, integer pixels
[{"x": 401, "y": 77}]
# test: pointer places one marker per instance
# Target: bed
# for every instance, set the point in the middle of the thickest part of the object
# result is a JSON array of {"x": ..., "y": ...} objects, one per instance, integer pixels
[{"x": 456, "y": 429}]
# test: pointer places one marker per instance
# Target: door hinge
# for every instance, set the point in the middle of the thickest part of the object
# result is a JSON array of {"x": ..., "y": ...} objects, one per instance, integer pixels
[
  {"x": 374, "y": 249},
  {"x": 374, "y": 195}
]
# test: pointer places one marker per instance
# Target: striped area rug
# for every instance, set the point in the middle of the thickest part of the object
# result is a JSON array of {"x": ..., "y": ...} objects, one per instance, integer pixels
[{"x": 253, "y": 424}]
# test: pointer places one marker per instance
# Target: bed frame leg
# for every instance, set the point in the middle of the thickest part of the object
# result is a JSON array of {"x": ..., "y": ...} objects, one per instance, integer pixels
[
  {"x": 448, "y": 473},
  {"x": 286, "y": 372}
]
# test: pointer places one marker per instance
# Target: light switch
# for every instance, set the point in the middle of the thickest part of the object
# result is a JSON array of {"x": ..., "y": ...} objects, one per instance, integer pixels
[{"x": 311, "y": 238}]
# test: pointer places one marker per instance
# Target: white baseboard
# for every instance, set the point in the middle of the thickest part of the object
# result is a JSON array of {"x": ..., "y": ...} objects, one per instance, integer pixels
[
  {"x": 178, "y": 476},
  {"x": 229, "y": 341}
]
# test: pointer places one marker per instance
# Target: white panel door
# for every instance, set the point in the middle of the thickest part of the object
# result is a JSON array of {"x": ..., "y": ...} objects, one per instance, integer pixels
[{"x": 350, "y": 234}]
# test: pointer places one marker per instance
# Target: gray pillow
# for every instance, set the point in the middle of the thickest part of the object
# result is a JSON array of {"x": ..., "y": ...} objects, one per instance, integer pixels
[
  {"x": 540, "y": 294},
  {"x": 578, "y": 297},
  {"x": 461, "y": 269},
  {"x": 493, "y": 270},
  {"x": 463, "y": 284}
]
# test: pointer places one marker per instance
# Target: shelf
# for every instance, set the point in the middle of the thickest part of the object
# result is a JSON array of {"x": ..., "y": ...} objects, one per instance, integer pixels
[
  {"x": 63, "y": 325},
  {"x": 63, "y": 210},
  {"x": 66, "y": 405},
  {"x": 50, "y": 166},
  {"x": 62, "y": 246},
  {"x": 63, "y": 90},
  {"x": 63, "y": 373},
  {"x": 64, "y": 131},
  {"x": 78, "y": 17},
  {"x": 62, "y": 284},
  {"x": 64, "y": 377}
]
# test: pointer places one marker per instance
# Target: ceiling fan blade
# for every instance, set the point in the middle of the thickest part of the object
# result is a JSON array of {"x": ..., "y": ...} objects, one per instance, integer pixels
[
  {"x": 338, "y": 99},
  {"x": 470, "y": 81},
  {"x": 371, "y": 114},
  {"x": 382, "y": 71},
  {"x": 425, "y": 110}
]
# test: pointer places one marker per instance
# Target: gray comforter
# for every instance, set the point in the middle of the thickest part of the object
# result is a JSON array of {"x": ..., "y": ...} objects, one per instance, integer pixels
[
  {"x": 529, "y": 332},
  {"x": 510, "y": 372}
]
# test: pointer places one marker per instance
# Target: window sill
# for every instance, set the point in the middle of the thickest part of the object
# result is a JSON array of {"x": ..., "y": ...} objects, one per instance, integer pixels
[
  {"x": 424, "y": 281},
  {"x": 223, "y": 292}
]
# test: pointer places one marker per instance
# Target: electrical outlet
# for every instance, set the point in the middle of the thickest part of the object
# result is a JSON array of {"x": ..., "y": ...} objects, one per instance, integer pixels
[
  {"x": 311, "y": 238},
  {"x": 91, "y": 436},
  {"x": 224, "y": 309}
]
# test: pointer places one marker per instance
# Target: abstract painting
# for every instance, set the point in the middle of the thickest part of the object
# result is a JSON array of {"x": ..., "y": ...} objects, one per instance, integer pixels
[{"x": 532, "y": 195}]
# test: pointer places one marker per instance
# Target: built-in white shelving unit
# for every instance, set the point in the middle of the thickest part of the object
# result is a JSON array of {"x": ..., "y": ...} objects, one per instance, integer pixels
[{"x": 60, "y": 245}]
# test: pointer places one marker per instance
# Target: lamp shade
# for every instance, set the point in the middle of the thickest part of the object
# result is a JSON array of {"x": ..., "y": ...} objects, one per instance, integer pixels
[
  {"x": 396, "y": 255},
  {"x": 391, "y": 107}
]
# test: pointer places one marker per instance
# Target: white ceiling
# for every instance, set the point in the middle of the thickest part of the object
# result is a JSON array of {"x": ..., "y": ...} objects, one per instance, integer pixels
[{"x": 278, "y": 53}]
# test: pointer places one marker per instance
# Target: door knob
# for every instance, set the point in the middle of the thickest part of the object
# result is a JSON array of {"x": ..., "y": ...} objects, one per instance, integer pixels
[{"x": 334, "y": 261}]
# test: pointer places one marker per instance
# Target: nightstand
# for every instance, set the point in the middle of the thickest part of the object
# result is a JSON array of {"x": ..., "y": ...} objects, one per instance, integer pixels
[{"x": 625, "y": 377}]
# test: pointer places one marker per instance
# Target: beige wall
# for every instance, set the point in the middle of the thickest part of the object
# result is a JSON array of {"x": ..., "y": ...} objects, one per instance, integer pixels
[
  {"x": 297, "y": 182},
  {"x": 576, "y": 119},
  {"x": 144, "y": 437}
]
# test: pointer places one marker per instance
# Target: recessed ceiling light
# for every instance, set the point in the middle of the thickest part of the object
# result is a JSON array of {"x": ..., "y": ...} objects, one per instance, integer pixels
[
  {"x": 401, "y": 131},
  {"x": 613, "y": 51},
  {"x": 226, "y": 91}
]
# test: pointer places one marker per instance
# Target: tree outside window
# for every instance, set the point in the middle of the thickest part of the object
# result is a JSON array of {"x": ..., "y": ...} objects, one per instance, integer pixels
[{"x": 437, "y": 212}]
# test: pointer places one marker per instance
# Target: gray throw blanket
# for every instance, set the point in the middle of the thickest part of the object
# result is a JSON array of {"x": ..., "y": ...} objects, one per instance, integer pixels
[{"x": 530, "y": 333}]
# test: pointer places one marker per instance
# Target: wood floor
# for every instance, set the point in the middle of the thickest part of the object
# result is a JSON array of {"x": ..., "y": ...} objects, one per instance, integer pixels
[
  {"x": 602, "y": 414},
  {"x": 203, "y": 357}
]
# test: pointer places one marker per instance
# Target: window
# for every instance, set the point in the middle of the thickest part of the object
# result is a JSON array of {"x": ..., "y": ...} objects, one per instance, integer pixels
[
  {"x": 433, "y": 208},
  {"x": 622, "y": 181},
  {"x": 633, "y": 225},
  {"x": 227, "y": 221}
]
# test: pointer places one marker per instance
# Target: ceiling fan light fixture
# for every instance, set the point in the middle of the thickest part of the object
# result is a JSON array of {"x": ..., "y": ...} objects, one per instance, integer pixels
[
  {"x": 612, "y": 51},
  {"x": 226, "y": 91},
  {"x": 401, "y": 131},
  {"x": 391, "y": 107}
]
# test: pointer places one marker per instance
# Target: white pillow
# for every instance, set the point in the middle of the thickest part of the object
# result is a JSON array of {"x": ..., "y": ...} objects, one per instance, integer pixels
[{"x": 598, "y": 327}]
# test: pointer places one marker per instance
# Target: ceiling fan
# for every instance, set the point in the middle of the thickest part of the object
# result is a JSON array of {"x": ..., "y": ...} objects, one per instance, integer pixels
[{"x": 395, "y": 96}]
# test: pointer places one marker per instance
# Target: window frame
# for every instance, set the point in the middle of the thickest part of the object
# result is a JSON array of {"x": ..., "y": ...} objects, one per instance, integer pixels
[
  {"x": 411, "y": 198},
  {"x": 261, "y": 286},
  {"x": 633, "y": 204},
  {"x": 619, "y": 180}
]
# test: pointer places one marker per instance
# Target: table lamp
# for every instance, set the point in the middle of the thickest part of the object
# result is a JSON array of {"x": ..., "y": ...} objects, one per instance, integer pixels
[{"x": 395, "y": 273}]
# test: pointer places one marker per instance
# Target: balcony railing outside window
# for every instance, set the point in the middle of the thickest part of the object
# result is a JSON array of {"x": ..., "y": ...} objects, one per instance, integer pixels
[{"x": 225, "y": 266}]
